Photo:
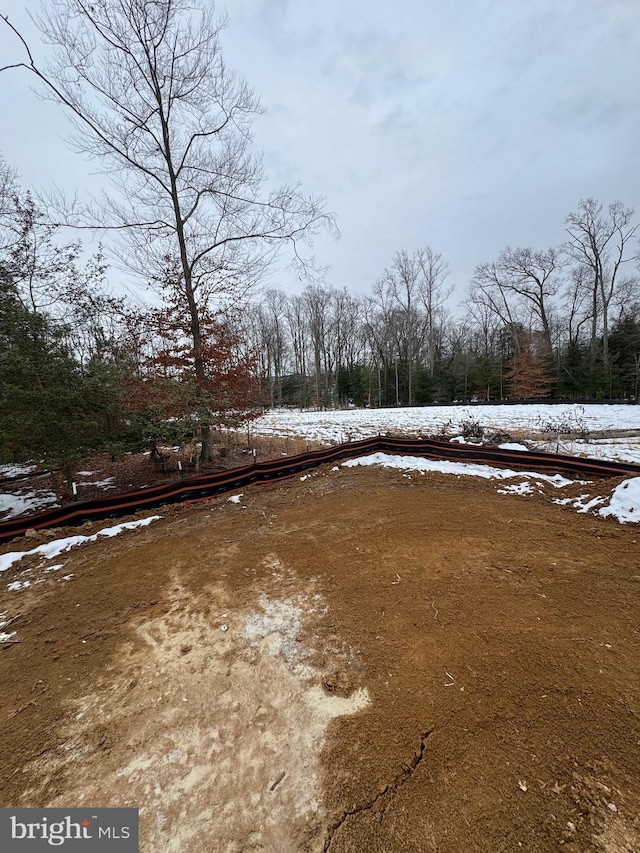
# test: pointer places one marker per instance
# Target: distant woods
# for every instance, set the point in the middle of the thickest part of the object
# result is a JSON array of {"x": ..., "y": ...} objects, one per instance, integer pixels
[{"x": 561, "y": 322}]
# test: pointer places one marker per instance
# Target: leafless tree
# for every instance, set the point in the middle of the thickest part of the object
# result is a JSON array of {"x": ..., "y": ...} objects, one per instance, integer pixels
[
  {"x": 520, "y": 285},
  {"x": 346, "y": 336},
  {"x": 578, "y": 305},
  {"x": 317, "y": 302},
  {"x": 298, "y": 332},
  {"x": 152, "y": 100},
  {"x": 403, "y": 283},
  {"x": 600, "y": 243},
  {"x": 270, "y": 319},
  {"x": 434, "y": 292}
]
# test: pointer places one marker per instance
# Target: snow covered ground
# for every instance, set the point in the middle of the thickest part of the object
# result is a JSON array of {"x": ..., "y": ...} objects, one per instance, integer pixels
[
  {"x": 25, "y": 500},
  {"x": 10, "y": 472},
  {"x": 352, "y": 424},
  {"x": 335, "y": 427},
  {"x": 621, "y": 502},
  {"x": 610, "y": 449},
  {"x": 444, "y": 466}
]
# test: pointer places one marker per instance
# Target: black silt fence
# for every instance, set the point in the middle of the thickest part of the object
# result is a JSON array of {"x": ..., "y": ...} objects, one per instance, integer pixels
[{"x": 209, "y": 485}]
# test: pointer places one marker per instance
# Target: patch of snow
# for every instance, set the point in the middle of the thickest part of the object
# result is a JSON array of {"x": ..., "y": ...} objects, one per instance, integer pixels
[
  {"x": 579, "y": 502},
  {"x": 85, "y": 473},
  {"x": 25, "y": 502},
  {"x": 523, "y": 488},
  {"x": 235, "y": 499},
  {"x": 443, "y": 466},
  {"x": 107, "y": 483},
  {"x": 58, "y": 546},
  {"x": 624, "y": 503},
  {"x": 513, "y": 445},
  {"x": 127, "y": 525},
  {"x": 11, "y": 471},
  {"x": 18, "y": 585},
  {"x": 590, "y": 504},
  {"x": 6, "y": 637}
]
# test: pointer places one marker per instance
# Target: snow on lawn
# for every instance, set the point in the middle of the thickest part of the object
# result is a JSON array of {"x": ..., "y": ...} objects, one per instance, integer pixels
[
  {"x": 344, "y": 425},
  {"x": 52, "y": 549},
  {"x": 610, "y": 449},
  {"x": 25, "y": 502},
  {"x": 9, "y": 472},
  {"x": 415, "y": 463}
]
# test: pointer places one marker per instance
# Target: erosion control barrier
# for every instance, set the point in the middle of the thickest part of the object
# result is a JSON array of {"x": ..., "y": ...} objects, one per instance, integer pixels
[{"x": 208, "y": 485}]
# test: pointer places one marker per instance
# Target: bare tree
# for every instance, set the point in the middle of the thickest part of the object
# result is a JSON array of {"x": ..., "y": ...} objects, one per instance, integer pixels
[
  {"x": 270, "y": 318},
  {"x": 345, "y": 335},
  {"x": 404, "y": 282},
  {"x": 600, "y": 243},
  {"x": 488, "y": 295},
  {"x": 433, "y": 294},
  {"x": 298, "y": 332},
  {"x": 579, "y": 309},
  {"x": 152, "y": 100},
  {"x": 317, "y": 301},
  {"x": 520, "y": 284}
]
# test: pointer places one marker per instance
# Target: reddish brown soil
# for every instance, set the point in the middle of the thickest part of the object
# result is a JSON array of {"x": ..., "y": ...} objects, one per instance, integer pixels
[{"x": 497, "y": 636}]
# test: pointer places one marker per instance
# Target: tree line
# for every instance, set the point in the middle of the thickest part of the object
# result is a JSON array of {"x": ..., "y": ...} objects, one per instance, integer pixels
[{"x": 561, "y": 322}]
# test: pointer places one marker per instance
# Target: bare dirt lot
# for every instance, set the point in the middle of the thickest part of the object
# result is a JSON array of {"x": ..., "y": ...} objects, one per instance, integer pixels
[{"x": 356, "y": 662}]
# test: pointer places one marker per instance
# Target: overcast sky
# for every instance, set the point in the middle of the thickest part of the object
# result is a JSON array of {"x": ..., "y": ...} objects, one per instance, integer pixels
[{"x": 465, "y": 126}]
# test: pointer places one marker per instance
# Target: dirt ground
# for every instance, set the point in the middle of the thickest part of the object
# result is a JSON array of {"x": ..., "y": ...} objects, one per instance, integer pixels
[{"x": 358, "y": 661}]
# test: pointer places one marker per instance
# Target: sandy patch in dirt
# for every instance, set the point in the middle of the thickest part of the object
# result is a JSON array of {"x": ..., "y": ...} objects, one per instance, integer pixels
[
  {"x": 408, "y": 665},
  {"x": 220, "y": 719}
]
